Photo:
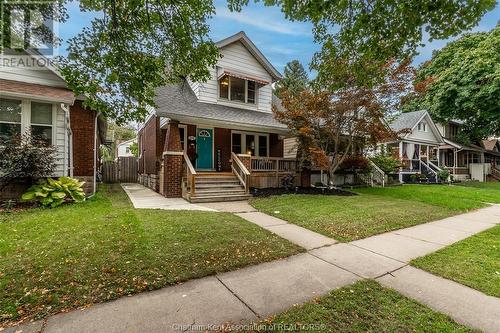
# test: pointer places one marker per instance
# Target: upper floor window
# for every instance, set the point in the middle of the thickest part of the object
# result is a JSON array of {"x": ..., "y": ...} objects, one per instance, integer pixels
[
  {"x": 10, "y": 119},
  {"x": 422, "y": 127},
  {"x": 236, "y": 89}
]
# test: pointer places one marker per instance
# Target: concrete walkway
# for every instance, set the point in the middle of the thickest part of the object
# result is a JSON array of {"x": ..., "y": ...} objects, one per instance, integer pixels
[
  {"x": 143, "y": 197},
  {"x": 253, "y": 293}
]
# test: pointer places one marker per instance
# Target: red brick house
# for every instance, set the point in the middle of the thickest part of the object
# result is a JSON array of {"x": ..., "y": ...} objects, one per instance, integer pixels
[
  {"x": 39, "y": 100},
  {"x": 214, "y": 140}
]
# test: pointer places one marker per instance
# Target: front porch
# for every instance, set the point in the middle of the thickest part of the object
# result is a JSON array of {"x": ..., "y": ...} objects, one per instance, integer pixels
[{"x": 205, "y": 163}]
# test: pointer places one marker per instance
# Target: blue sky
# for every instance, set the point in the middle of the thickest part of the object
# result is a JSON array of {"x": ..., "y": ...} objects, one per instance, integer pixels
[{"x": 279, "y": 39}]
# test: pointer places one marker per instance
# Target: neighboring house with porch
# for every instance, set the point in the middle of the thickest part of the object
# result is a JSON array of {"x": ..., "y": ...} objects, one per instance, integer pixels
[
  {"x": 212, "y": 141},
  {"x": 38, "y": 100},
  {"x": 426, "y": 147},
  {"x": 418, "y": 145}
]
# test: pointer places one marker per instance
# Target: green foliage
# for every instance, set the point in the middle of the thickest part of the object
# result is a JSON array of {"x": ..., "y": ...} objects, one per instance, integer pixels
[
  {"x": 443, "y": 175},
  {"x": 134, "y": 149},
  {"x": 26, "y": 158},
  {"x": 462, "y": 81},
  {"x": 53, "y": 193},
  {"x": 294, "y": 80},
  {"x": 361, "y": 36},
  {"x": 133, "y": 47},
  {"x": 387, "y": 163}
]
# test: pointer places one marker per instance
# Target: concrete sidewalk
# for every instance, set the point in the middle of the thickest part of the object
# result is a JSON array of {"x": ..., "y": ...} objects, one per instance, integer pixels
[
  {"x": 255, "y": 292},
  {"x": 145, "y": 198}
]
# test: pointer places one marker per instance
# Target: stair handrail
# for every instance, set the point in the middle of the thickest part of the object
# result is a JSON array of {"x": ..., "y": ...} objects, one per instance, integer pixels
[
  {"x": 429, "y": 168},
  {"x": 378, "y": 173},
  {"x": 240, "y": 170},
  {"x": 190, "y": 173},
  {"x": 434, "y": 165}
]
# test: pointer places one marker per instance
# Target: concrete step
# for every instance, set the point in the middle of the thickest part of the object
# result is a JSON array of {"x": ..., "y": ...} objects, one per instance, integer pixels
[{"x": 219, "y": 198}]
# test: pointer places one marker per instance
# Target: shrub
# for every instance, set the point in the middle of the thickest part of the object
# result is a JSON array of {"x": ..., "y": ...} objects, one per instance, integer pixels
[
  {"x": 50, "y": 192},
  {"x": 387, "y": 163},
  {"x": 287, "y": 181},
  {"x": 26, "y": 158},
  {"x": 443, "y": 175},
  {"x": 355, "y": 163}
]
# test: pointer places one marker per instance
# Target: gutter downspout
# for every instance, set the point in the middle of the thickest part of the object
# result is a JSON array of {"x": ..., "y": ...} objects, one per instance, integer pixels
[
  {"x": 95, "y": 154},
  {"x": 69, "y": 134}
]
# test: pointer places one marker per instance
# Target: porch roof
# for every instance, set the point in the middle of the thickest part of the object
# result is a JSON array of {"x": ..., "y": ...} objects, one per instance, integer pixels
[
  {"x": 452, "y": 144},
  {"x": 36, "y": 91},
  {"x": 179, "y": 102}
]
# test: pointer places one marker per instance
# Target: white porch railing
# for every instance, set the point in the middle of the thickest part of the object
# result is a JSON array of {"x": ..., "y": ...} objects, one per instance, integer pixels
[
  {"x": 190, "y": 173},
  {"x": 378, "y": 175},
  {"x": 240, "y": 171},
  {"x": 273, "y": 164}
]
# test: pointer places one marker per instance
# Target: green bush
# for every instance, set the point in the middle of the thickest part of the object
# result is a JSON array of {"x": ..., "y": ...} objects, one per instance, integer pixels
[
  {"x": 50, "y": 192},
  {"x": 387, "y": 163},
  {"x": 443, "y": 175}
]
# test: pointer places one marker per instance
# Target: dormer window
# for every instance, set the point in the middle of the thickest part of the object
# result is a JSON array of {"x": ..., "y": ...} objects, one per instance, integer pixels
[
  {"x": 237, "y": 89},
  {"x": 422, "y": 127}
]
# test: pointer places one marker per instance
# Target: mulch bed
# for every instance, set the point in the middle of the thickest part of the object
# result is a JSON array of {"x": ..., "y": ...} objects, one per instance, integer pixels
[
  {"x": 265, "y": 192},
  {"x": 17, "y": 206}
]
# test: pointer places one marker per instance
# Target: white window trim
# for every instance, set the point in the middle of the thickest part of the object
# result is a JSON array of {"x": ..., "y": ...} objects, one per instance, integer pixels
[
  {"x": 244, "y": 144},
  {"x": 185, "y": 136},
  {"x": 26, "y": 116},
  {"x": 228, "y": 99}
]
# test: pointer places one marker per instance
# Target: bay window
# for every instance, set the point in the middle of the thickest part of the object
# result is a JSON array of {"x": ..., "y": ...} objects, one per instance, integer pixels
[
  {"x": 10, "y": 118},
  {"x": 254, "y": 144},
  {"x": 236, "y": 89}
]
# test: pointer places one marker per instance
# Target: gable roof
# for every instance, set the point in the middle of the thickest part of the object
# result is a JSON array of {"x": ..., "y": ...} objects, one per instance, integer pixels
[
  {"x": 178, "y": 101},
  {"x": 407, "y": 120},
  {"x": 490, "y": 144},
  {"x": 250, "y": 46},
  {"x": 410, "y": 120}
]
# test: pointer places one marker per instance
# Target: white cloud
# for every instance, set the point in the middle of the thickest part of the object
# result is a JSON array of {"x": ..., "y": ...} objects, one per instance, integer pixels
[{"x": 264, "y": 21}]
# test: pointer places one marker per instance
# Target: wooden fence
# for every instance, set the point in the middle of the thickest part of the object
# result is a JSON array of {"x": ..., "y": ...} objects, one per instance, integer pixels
[{"x": 124, "y": 170}]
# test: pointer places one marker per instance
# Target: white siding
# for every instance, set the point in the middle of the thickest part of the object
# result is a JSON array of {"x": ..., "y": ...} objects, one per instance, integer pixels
[
  {"x": 236, "y": 57},
  {"x": 290, "y": 148},
  {"x": 61, "y": 143},
  {"x": 427, "y": 135},
  {"x": 37, "y": 75}
]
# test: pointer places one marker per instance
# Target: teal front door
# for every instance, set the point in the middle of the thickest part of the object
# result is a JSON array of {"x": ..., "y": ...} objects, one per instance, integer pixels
[{"x": 204, "y": 139}]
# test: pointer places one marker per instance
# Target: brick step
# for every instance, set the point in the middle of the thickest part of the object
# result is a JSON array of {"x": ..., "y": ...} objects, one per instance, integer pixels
[{"x": 219, "y": 198}]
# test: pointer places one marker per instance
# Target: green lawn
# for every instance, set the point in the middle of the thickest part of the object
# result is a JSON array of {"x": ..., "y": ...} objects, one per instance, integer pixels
[
  {"x": 375, "y": 210},
  {"x": 80, "y": 254},
  {"x": 474, "y": 262},
  {"x": 487, "y": 185},
  {"x": 362, "y": 307}
]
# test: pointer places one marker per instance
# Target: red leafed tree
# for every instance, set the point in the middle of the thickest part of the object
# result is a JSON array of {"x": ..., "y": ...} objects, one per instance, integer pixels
[{"x": 331, "y": 125}]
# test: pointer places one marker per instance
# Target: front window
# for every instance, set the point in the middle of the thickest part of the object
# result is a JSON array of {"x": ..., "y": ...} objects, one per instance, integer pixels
[
  {"x": 236, "y": 89},
  {"x": 10, "y": 119},
  {"x": 41, "y": 121},
  {"x": 254, "y": 144}
]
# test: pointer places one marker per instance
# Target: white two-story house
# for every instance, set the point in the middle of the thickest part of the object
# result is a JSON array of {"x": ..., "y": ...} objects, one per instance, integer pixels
[{"x": 219, "y": 137}]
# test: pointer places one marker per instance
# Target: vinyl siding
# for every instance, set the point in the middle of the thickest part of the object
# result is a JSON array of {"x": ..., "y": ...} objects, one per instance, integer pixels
[
  {"x": 61, "y": 143},
  {"x": 421, "y": 135},
  {"x": 290, "y": 148},
  {"x": 38, "y": 76},
  {"x": 236, "y": 57}
]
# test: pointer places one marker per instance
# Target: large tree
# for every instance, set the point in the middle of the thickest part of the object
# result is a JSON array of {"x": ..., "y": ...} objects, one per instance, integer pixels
[
  {"x": 294, "y": 80},
  {"x": 365, "y": 34},
  {"x": 462, "y": 81},
  {"x": 331, "y": 125}
]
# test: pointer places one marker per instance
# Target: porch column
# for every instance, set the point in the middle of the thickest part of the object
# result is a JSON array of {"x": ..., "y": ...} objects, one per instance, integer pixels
[
  {"x": 401, "y": 160},
  {"x": 172, "y": 161}
]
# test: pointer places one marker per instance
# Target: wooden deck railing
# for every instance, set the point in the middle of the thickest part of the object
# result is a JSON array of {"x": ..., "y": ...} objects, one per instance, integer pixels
[
  {"x": 240, "y": 171},
  {"x": 274, "y": 164},
  {"x": 190, "y": 173}
]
